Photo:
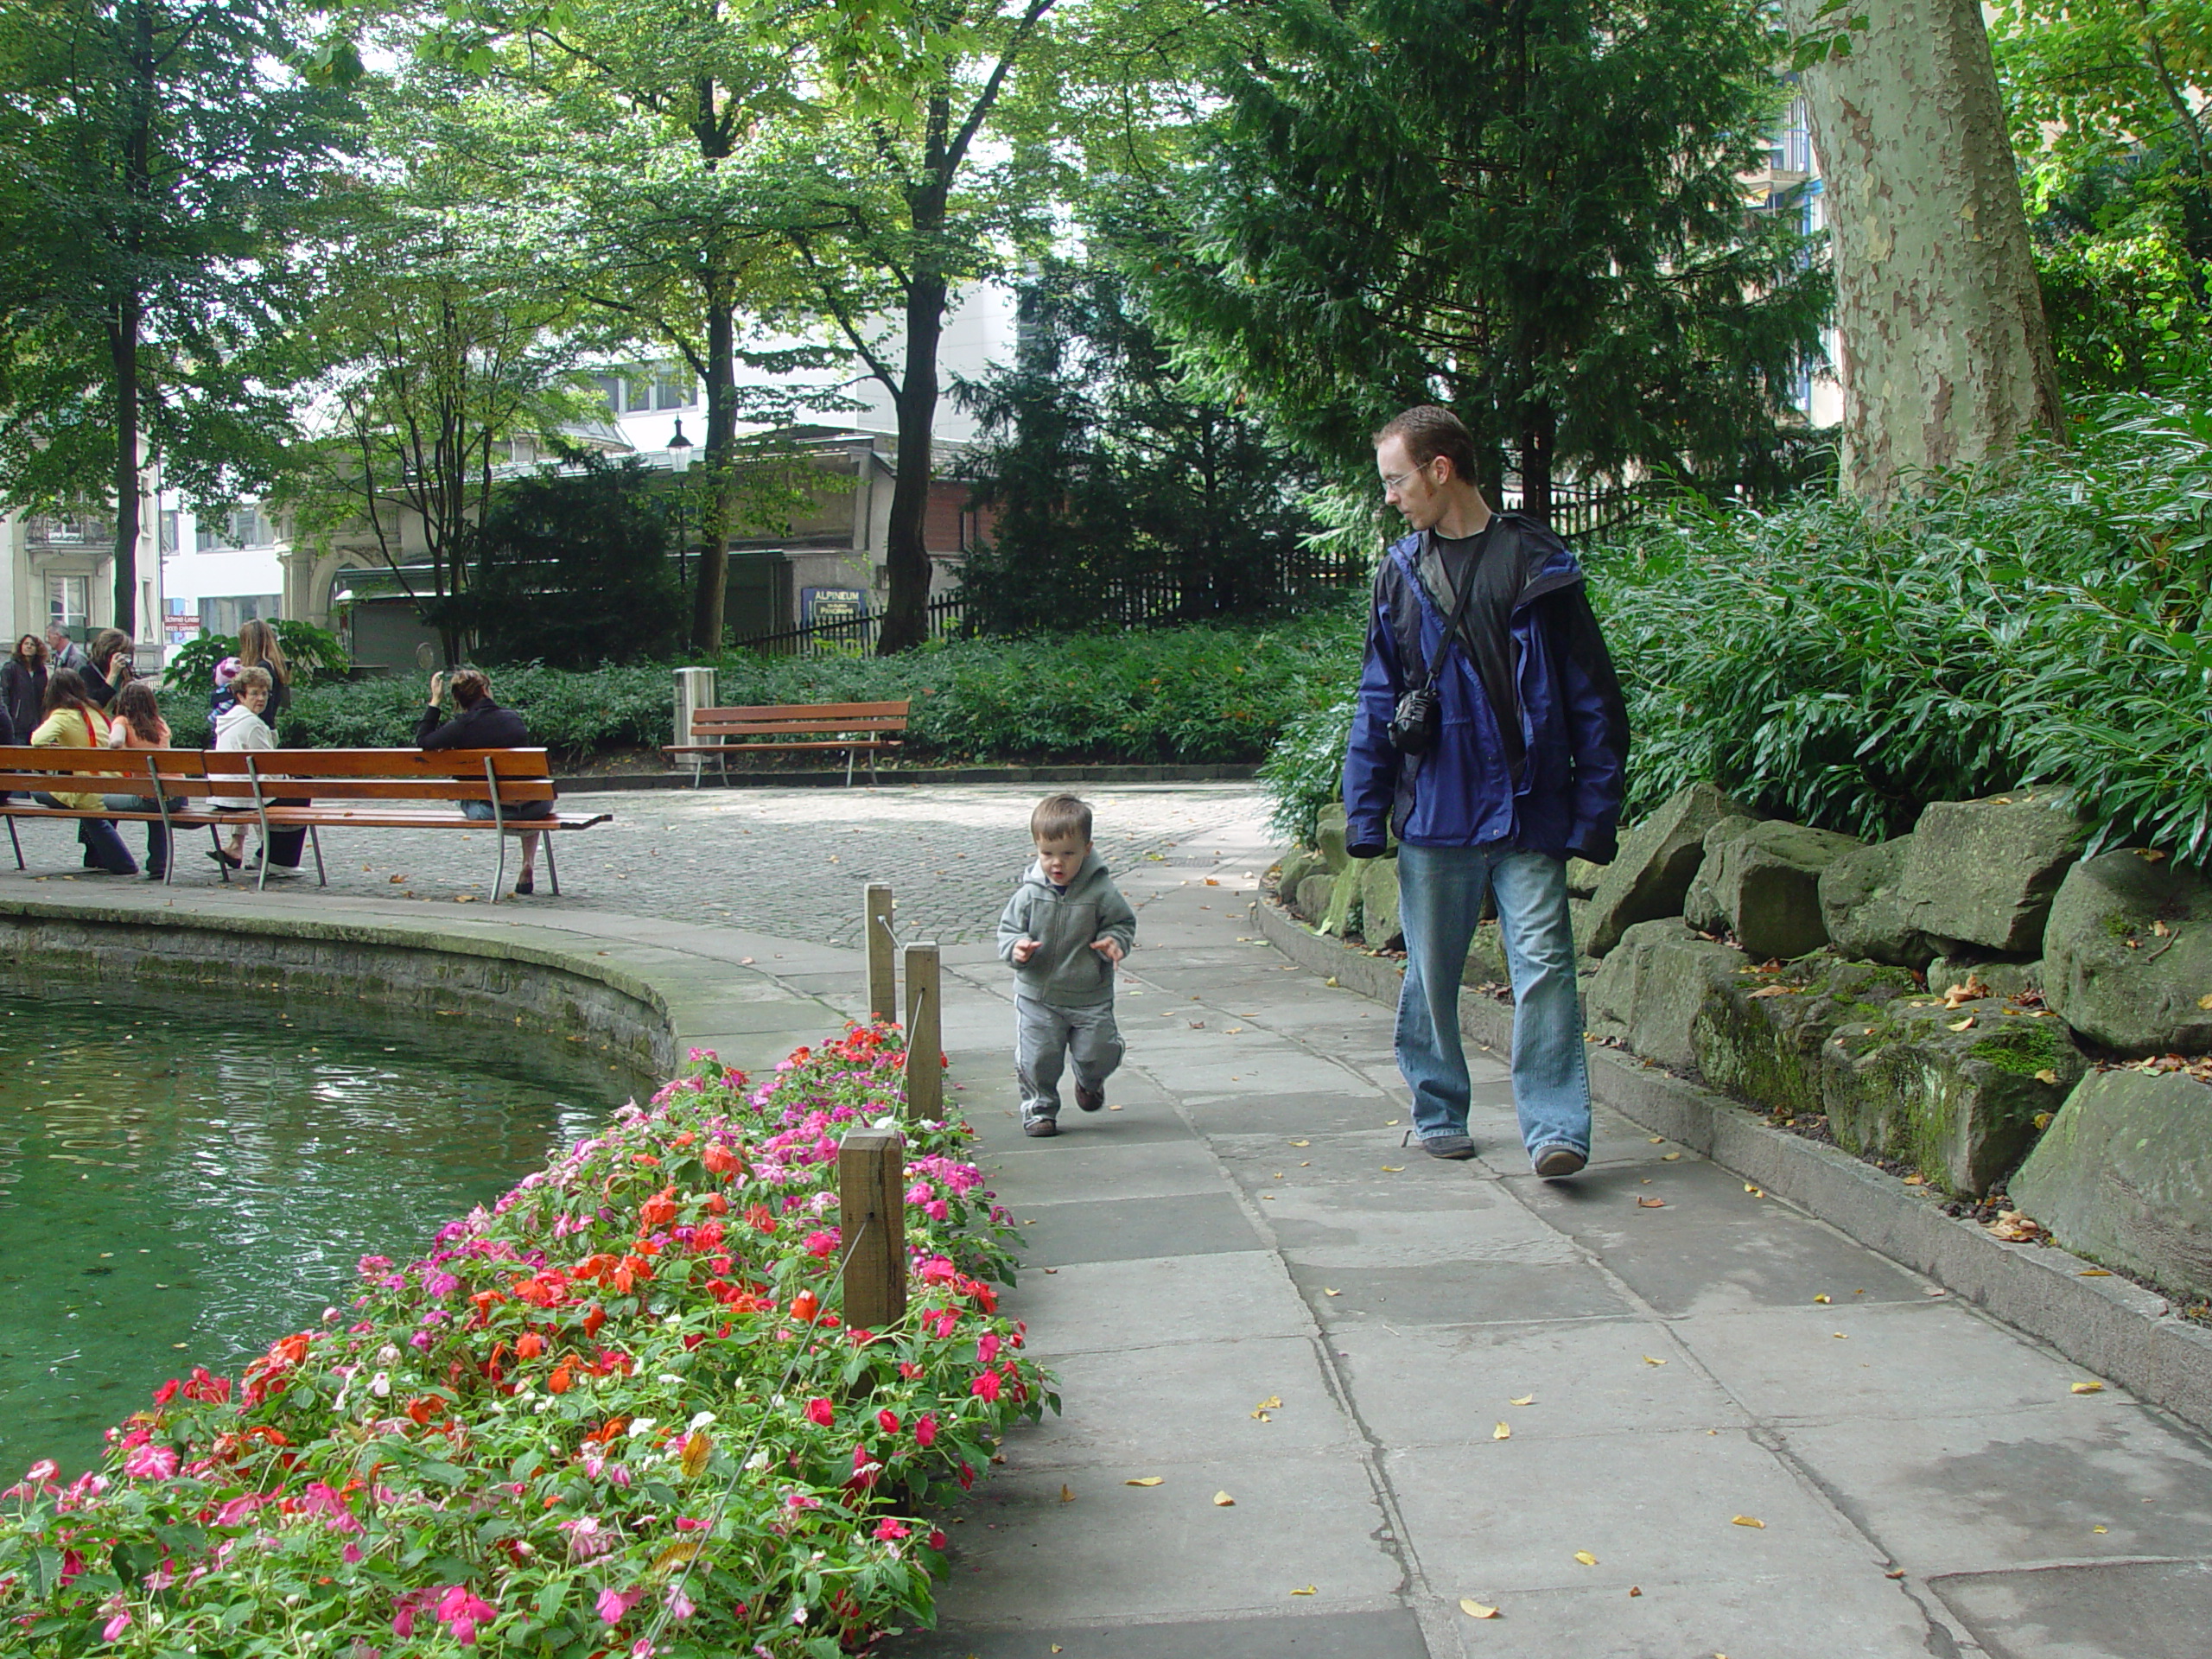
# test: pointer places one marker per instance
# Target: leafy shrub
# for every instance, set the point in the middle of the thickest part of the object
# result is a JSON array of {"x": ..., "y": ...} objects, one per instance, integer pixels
[
  {"x": 1193, "y": 695},
  {"x": 310, "y": 652},
  {"x": 616, "y": 1413}
]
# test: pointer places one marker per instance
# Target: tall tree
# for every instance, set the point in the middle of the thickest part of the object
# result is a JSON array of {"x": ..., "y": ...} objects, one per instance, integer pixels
[
  {"x": 1946, "y": 355},
  {"x": 157, "y": 157},
  {"x": 1531, "y": 210}
]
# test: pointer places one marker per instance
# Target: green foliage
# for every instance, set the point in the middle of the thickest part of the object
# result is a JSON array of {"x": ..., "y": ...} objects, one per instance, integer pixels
[
  {"x": 1532, "y": 213},
  {"x": 573, "y": 569},
  {"x": 1114, "y": 481},
  {"x": 2040, "y": 621},
  {"x": 1190, "y": 694},
  {"x": 1304, "y": 770},
  {"x": 311, "y": 653}
]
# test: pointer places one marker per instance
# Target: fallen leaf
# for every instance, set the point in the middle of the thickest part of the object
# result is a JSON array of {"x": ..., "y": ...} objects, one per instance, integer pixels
[
  {"x": 1308, "y": 1590},
  {"x": 2205, "y": 1001},
  {"x": 1067, "y": 1495},
  {"x": 1772, "y": 990},
  {"x": 1966, "y": 1024},
  {"x": 1635, "y": 1589},
  {"x": 1474, "y": 1609},
  {"x": 2088, "y": 1388},
  {"x": 745, "y": 961},
  {"x": 1748, "y": 1521},
  {"x": 2046, "y": 1076},
  {"x": 1668, "y": 1157},
  {"x": 2161, "y": 930},
  {"x": 1522, "y": 1400},
  {"x": 1839, "y": 1336},
  {"x": 1212, "y": 882},
  {"x": 1301, "y": 1143},
  {"x": 1145, "y": 1480},
  {"x": 1916, "y": 1180},
  {"x": 1585, "y": 1558},
  {"x": 1052, "y": 1269},
  {"x": 395, "y": 880},
  {"x": 1894, "y": 1572},
  {"x": 1651, "y": 1204},
  {"x": 1330, "y": 981},
  {"x": 1273, "y": 1402},
  {"x": 1935, "y": 1290},
  {"x": 1223, "y": 1501},
  {"x": 1325, "y": 1291},
  {"x": 464, "y": 898},
  {"x": 1650, "y": 1361},
  {"x": 1394, "y": 1169},
  {"x": 696, "y": 1450},
  {"x": 1503, "y": 1432},
  {"x": 1973, "y": 991},
  {"x": 2096, "y": 1529},
  {"x": 2148, "y": 854},
  {"x": 1822, "y": 1298},
  {"x": 1233, "y": 1030},
  {"x": 1754, "y": 1190},
  {"x": 2093, "y": 1273},
  {"x": 1658, "y": 1140}
]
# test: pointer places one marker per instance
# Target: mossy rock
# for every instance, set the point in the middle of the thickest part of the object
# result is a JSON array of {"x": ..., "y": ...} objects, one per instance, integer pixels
[
  {"x": 1759, "y": 1036},
  {"x": 1956, "y": 1092},
  {"x": 1313, "y": 895},
  {"x": 1651, "y": 875},
  {"x": 1342, "y": 916},
  {"x": 2128, "y": 950},
  {"x": 1984, "y": 872},
  {"x": 1378, "y": 904},
  {"x": 1651, "y": 986},
  {"x": 1296, "y": 864},
  {"x": 1329, "y": 832},
  {"x": 1865, "y": 915}
]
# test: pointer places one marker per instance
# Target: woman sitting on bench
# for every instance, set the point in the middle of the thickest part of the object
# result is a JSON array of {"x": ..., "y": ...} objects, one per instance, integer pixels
[
  {"x": 72, "y": 722},
  {"x": 482, "y": 724}
]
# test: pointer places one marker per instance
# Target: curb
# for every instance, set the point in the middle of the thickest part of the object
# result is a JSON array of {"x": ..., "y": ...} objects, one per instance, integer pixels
[
  {"x": 1229, "y": 773},
  {"x": 2109, "y": 1326}
]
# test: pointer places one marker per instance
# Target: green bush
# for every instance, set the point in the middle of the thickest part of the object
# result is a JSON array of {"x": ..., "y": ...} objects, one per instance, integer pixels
[
  {"x": 2037, "y": 621},
  {"x": 1187, "y": 694}
]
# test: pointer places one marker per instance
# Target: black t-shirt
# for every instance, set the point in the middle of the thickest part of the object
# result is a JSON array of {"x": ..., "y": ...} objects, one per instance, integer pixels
[{"x": 1486, "y": 630}]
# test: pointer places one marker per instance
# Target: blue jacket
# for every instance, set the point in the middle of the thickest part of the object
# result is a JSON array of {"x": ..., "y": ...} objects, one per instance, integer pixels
[{"x": 1463, "y": 793}]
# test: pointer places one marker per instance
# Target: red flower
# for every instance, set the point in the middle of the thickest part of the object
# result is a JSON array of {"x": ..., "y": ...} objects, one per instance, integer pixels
[
  {"x": 887, "y": 1420},
  {"x": 937, "y": 1539},
  {"x": 819, "y": 1410},
  {"x": 658, "y": 1211},
  {"x": 559, "y": 1382},
  {"x": 166, "y": 1392},
  {"x": 924, "y": 1431},
  {"x": 804, "y": 1307},
  {"x": 720, "y": 1159},
  {"x": 966, "y": 1478},
  {"x": 985, "y": 1387},
  {"x": 528, "y": 1346}
]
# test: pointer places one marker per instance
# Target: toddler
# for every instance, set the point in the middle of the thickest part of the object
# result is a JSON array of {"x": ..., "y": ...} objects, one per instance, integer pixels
[{"x": 1063, "y": 930}]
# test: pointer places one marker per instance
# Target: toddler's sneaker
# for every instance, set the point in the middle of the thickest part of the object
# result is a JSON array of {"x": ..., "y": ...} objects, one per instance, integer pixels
[
  {"x": 1089, "y": 1100},
  {"x": 1041, "y": 1128}
]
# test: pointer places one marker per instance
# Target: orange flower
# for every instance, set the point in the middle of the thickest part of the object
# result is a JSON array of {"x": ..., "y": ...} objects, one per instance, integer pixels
[
  {"x": 529, "y": 1345},
  {"x": 804, "y": 1306},
  {"x": 559, "y": 1382}
]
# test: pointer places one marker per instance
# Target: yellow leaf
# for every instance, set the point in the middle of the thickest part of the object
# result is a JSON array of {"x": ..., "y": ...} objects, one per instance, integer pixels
[
  {"x": 1523, "y": 1399},
  {"x": 1966, "y": 1024},
  {"x": 1650, "y": 1361},
  {"x": 1273, "y": 1402},
  {"x": 2096, "y": 1529},
  {"x": 1330, "y": 981},
  {"x": 1658, "y": 1139},
  {"x": 1394, "y": 1169},
  {"x": 1474, "y": 1609},
  {"x": 1668, "y": 1157},
  {"x": 2046, "y": 1076},
  {"x": 1308, "y": 1590},
  {"x": 1223, "y": 1501},
  {"x": 1585, "y": 1558},
  {"x": 695, "y": 1451},
  {"x": 2205, "y": 1001},
  {"x": 1822, "y": 1298},
  {"x": 1301, "y": 1143},
  {"x": 674, "y": 1556},
  {"x": 2042, "y": 1120},
  {"x": 1754, "y": 1190},
  {"x": 1651, "y": 1204},
  {"x": 1773, "y": 990},
  {"x": 2089, "y": 1387},
  {"x": 1067, "y": 1495},
  {"x": 1325, "y": 1291},
  {"x": 1144, "y": 1480},
  {"x": 1503, "y": 1432},
  {"x": 1748, "y": 1521},
  {"x": 2093, "y": 1273}
]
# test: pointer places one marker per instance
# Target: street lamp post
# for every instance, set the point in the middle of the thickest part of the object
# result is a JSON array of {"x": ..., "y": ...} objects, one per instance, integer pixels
[{"x": 679, "y": 462}]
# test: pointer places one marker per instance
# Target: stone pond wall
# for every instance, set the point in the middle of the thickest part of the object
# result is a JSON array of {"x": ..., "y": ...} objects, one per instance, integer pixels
[{"x": 1964, "y": 1000}]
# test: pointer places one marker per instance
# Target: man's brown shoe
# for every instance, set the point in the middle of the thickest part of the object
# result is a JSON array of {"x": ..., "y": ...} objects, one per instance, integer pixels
[{"x": 1555, "y": 1163}]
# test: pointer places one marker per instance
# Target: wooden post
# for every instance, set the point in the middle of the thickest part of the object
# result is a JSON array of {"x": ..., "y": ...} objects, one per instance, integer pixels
[
  {"x": 872, "y": 1210},
  {"x": 882, "y": 973},
  {"x": 924, "y": 1033}
]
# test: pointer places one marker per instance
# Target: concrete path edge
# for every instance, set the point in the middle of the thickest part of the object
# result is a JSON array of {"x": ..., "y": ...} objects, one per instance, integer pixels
[{"x": 2113, "y": 1327}]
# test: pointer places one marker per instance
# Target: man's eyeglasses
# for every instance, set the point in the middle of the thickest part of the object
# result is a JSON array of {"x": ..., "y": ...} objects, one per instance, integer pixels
[{"x": 1391, "y": 481}]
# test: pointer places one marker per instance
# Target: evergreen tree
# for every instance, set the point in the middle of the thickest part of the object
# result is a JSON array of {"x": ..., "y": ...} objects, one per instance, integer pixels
[
  {"x": 1115, "y": 491},
  {"x": 1530, "y": 210}
]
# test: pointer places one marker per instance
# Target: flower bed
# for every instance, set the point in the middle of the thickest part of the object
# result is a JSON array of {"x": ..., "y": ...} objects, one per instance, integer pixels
[{"x": 615, "y": 1414}]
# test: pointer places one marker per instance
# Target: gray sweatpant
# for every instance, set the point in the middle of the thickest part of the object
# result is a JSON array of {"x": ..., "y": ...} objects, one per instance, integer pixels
[{"x": 1044, "y": 1036}]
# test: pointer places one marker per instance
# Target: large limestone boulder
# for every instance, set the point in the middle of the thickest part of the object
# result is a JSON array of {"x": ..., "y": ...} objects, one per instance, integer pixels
[
  {"x": 1953, "y": 1091},
  {"x": 1650, "y": 878},
  {"x": 2124, "y": 1176},
  {"x": 1863, "y": 911},
  {"x": 1342, "y": 916},
  {"x": 1583, "y": 877},
  {"x": 2127, "y": 954},
  {"x": 1764, "y": 883},
  {"x": 1977, "y": 974},
  {"x": 1984, "y": 872},
  {"x": 1296, "y": 864},
  {"x": 1759, "y": 1035},
  {"x": 1329, "y": 832},
  {"x": 1313, "y": 896},
  {"x": 1378, "y": 904},
  {"x": 1651, "y": 986},
  {"x": 1702, "y": 904},
  {"x": 1486, "y": 958}
]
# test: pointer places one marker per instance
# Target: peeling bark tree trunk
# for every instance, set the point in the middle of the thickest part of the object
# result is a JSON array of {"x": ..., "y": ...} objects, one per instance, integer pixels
[{"x": 1945, "y": 356}]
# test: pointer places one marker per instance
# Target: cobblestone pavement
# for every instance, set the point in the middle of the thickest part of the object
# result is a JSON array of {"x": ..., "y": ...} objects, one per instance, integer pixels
[{"x": 787, "y": 861}]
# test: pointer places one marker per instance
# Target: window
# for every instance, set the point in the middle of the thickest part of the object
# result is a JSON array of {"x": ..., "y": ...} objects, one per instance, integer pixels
[
  {"x": 1792, "y": 150},
  {"x": 168, "y": 530},
  {"x": 249, "y": 527},
  {"x": 672, "y": 389},
  {"x": 68, "y": 598}
]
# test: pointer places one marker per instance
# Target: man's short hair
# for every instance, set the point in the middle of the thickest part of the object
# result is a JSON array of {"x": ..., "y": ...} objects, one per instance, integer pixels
[
  {"x": 1430, "y": 431},
  {"x": 252, "y": 679},
  {"x": 470, "y": 686},
  {"x": 1060, "y": 815}
]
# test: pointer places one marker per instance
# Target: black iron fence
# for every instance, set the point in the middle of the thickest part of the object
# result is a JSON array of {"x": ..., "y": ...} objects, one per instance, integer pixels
[{"x": 852, "y": 636}]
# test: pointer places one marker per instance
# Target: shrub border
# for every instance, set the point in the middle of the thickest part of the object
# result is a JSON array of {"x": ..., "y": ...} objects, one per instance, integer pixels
[{"x": 2114, "y": 1328}]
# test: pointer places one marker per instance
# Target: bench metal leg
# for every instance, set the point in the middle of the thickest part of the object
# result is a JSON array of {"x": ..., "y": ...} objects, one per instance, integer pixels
[
  {"x": 851, "y": 754},
  {"x": 552, "y": 869},
  {"x": 16, "y": 844},
  {"x": 215, "y": 837},
  {"x": 315, "y": 840}
]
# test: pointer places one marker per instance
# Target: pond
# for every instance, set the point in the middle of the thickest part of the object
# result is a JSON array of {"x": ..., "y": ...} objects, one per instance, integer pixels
[{"x": 182, "y": 1183}]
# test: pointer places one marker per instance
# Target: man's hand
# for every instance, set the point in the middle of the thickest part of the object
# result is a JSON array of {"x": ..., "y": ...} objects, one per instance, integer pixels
[
  {"x": 1025, "y": 949},
  {"x": 1109, "y": 949},
  {"x": 437, "y": 689}
]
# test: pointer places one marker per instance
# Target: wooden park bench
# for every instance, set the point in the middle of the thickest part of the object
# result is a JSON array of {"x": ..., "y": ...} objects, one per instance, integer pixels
[
  {"x": 312, "y": 790},
  {"x": 852, "y": 726}
]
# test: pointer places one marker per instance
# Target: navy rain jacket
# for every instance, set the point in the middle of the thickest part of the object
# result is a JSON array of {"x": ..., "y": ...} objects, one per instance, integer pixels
[{"x": 1462, "y": 793}]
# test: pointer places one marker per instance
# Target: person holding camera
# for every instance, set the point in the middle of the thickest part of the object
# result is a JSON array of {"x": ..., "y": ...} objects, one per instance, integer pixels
[{"x": 1489, "y": 736}]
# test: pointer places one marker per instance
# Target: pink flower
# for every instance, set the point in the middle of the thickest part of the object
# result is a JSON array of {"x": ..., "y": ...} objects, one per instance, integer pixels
[
  {"x": 936, "y": 1210},
  {"x": 937, "y": 1538},
  {"x": 461, "y": 1612},
  {"x": 797, "y": 1501},
  {"x": 987, "y": 1348},
  {"x": 115, "y": 1627},
  {"x": 887, "y": 1529},
  {"x": 924, "y": 1430},
  {"x": 614, "y": 1605},
  {"x": 588, "y": 1536},
  {"x": 41, "y": 1471},
  {"x": 985, "y": 1387},
  {"x": 823, "y": 1245},
  {"x": 680, "y": 1605},
  {"x": 351, "y": 1555},
  {"x": 819, "y": 1410},
  {"x": 150, "y": 1463},
  {"x": 887, "y": 1420}
]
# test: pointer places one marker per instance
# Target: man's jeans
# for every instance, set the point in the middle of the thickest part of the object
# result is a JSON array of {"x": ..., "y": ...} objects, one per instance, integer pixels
[{"x": 1440, "y": 893}]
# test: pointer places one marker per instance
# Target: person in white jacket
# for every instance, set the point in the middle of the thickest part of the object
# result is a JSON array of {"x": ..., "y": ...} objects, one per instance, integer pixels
[{"x": 241, "y": 727}]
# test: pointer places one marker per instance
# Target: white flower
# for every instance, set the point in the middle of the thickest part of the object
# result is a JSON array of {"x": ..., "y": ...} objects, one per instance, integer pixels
[
  {"x": 757, "y": 1462},
  {"x": 699, "y": 1421},
  {"x": 380, "y": 1385},
  {"x": 644, "y": 1425},
  {"x": 672, "y": 1378},
  {"x": 388, "y": 1355}
]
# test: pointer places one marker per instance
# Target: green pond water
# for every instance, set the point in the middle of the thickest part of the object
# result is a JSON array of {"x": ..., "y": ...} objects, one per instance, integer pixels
[{"x": 182, "y": 1184}]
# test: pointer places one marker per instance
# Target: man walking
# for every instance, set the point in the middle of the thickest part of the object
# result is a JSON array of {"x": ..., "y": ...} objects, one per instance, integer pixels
[{"x": 1517, "y": 763}]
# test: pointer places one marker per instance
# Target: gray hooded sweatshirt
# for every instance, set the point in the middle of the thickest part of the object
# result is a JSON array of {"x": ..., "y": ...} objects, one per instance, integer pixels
[{"x": 1065, "y": 971}]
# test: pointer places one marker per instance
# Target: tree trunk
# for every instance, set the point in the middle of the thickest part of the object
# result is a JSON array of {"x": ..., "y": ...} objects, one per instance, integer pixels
[
  {"x": 123, "y": 342},
  {"x": 1944, "y": 355},
  {"x": 710, "y": 593},
  {"x": 906, "y": 613}
]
